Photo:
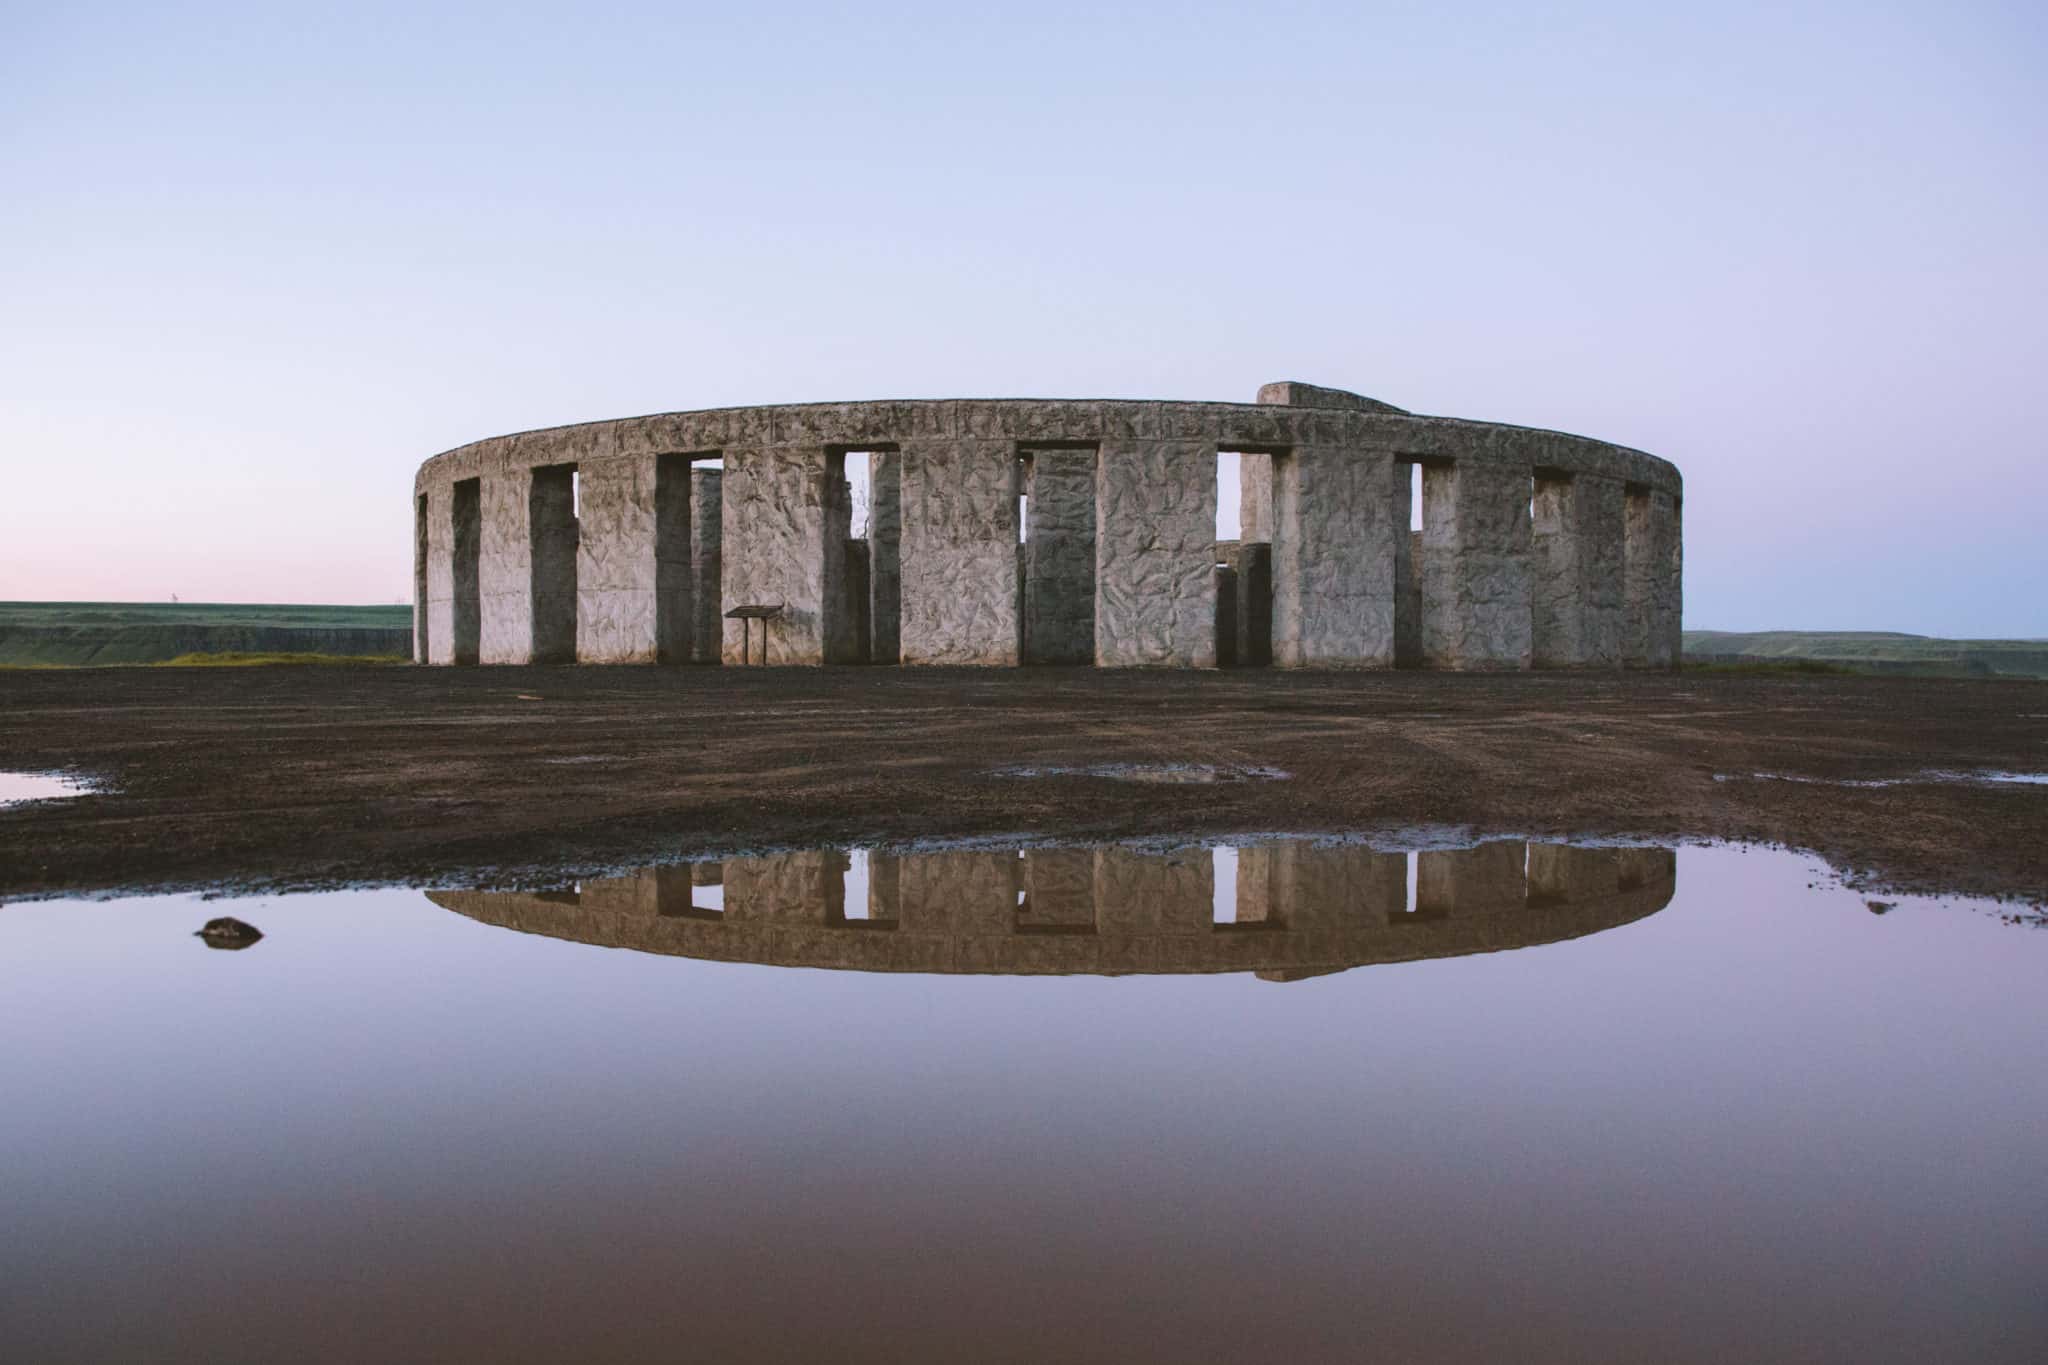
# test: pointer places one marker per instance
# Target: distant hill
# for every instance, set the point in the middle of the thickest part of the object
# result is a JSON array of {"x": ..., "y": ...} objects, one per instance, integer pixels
[
  {"x": 74, "y": 634},
  {"x": 1873, "y": 651}
]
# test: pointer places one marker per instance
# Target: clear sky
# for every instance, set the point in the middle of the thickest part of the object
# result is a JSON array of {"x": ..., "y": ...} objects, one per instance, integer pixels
[{"x": 256, "y": 262}]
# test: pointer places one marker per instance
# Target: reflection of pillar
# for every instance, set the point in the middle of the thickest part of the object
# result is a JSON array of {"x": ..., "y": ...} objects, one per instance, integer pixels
[
  {"x": 774, "y": 510},
  {"x": 959, "y": 553},
  {"x": 1560, "y": 874},
  {"x": 1059, "y": 891},
  {"x": 650, "y": 891},
  {"x": 1471, "y": 881},
  {"x": 801, "y": 888},
  {"x": 1334, "y": 550},
  {"x": 1475, "y": 565},
  {"x": 1300, "y": 885},
  {"x": 885, "y": 876},
  {"x": 965, "y": 892},
  {"x": 1059, "y": 557},
  {"x": 1138, "y": 892},
  {"x": 706, "y": 592},
  {"x": 1642, "y": 867},
  {"x": 1155, "y": 554},
  {"x": 616, "y": 605}
]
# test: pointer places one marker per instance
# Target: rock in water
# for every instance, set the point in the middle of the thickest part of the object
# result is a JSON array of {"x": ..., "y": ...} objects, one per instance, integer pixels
[{"x": 229, "y": 932}]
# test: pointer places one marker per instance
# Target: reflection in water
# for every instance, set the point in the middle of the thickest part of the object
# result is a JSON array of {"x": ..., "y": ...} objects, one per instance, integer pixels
[{"x": 1289, "y": 910}]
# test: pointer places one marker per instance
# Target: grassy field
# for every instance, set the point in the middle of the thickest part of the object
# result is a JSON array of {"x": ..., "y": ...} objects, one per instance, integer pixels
[
  {"x": 81, "y": 634},
  {"x": 1869, "y": 652}
]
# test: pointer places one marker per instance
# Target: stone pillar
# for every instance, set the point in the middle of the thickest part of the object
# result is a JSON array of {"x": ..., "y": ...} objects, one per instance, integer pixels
[
  {"x": 552, "y": 520},
  {"x": 1335, "y": 545},
  {"x": 1667, "y": 594},
  {"x": 959, "y": 553},
  {"x": 885, "y": 557},
  {"x": 774, "y": 515},
  {"x": 1254, "y": 497},
  {"x": 1407, "y": 572},
  {"x": 505, "y": 568},
  {"x": 706, "y": 594},
  {"x": 1254, "y": 604},
  {"x": 1576, "y": 571},
  {"x": 439, "y": 600},
  {"x": 1472, "y": 881},
  {"x": 1651, "y": 581},
  {"x": 1226, "y": 606},
  {"x": 1155, "y": 893},
  {"x": 1155, "y": 550},
  {"x": 859, "y": 594},
  {"x": 1059, "y": 892},
  {"x": 1059, "y": 557},
  {"x": 422, "y": 522},
  {"x": 967, "y": 893},
  {"x": 675, "y": 591},
  {"x": 617, "y": 564},
  {"x": 1475, "y": 565},
  {"x": 466, "y": 555},
  {"x": 1640, "y": 868}
]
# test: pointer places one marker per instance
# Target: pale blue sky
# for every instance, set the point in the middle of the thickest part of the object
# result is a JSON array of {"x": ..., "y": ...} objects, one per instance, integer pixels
[{"x": 256, "y": 265}]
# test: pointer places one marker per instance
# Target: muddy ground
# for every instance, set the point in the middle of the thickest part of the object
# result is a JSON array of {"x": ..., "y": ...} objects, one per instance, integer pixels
[{"x": 291, "y": 776}]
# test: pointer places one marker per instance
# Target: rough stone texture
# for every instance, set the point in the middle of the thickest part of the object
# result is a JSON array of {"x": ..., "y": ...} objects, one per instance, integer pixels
[
  {"x": 1155, "y": 552},
  {"x": 959, "y": 553},
  {"x": 1312, "y": 887},
  {"x": 772, "y": 544},
  {"x": 1576, "y": 568},
  {"x": 885, "y": 557},
  {"x": 1475, "y": 566},
  {"x": 1226, "y": 607},
  {"x": 421, "y": 553},
  {"x": 552, "y": 521},
  {"x": 1059, "y": 557},
  {"x": 1154, "y": 585},
  {"x": 1254, "y": 496},
  {"x": 1254, "y": 605},
  {"x": 1303, "y": 911},
  {"x": 1650, "y": 577},
  {"x": 617, "y": 563},
  {"x": 707, "y": 535},
  {"x": 843, "y": 644},
  {"x": 1293, "y": 393},
  {"x": 505, "y": 569},
  {"x": 1471, "y": 881},
  {"x": 1335, "y": 545},
  {"x": 858, "y": 593},
  {"x": 1560, "y": 874},
  {"x": 675, "y": 603}
]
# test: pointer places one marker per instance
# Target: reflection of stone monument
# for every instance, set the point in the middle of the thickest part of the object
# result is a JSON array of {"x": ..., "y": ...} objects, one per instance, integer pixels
[{"x": 1302, "y": 909}]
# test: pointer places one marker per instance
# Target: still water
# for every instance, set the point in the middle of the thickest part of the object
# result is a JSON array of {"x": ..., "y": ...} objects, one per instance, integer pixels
[{"x": 1281, "y": 1102}]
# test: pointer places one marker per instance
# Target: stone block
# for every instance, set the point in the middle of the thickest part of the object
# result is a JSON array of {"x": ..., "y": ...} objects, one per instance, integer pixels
[
  {"x": 707, "y": 511},
  {"x": 1335, "y": 550},
  {"x": 1059, "y": 559},
  {"x": 1476, "y": 593},
  {"x": 1155, "y": 552},
  {"x": 617, "y": 562},
  {"x": 773, "y": 513},
  {"x": 959, "y": 553}
]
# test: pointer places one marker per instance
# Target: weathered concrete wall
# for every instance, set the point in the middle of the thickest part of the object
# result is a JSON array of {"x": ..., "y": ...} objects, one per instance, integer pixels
[
  {"x": 1323, "y": 888},
  {"x": 1139, "y": 891},
  {"x": 1059, "y": 557},
  {"x": 959, "y": 553},
  {"x": 799, "y": 888},
  {"x": 505, "y": 568},
  {"x": 885, "y": 557},
  {"x": 1576, "y": 572},
  {"x": 675, "y": 603},
  {"x": 1254, "y": 604},
  {"x": 1335, "y": 546},
  {"x": 1472, "y": 881},
  {"x": 1560, "y": 874},
  {"x": 617, "y": 565},
  {"x": 772, "y": 543},
  {"x": 437, "y": 603},
  {"x": 421, "y": 554},
  {"x": 1475, "y": 565},
  {"x": 551, "y": 518},
  {"x": 1650, "y": 578},
  {"x": 843, "y": 644},
  {"x": 1226, "y": 606},
  {"x": 1407, "y": 575},
  {"x": 707, "y": 538},
  {"x": 1293, "y": 393},
  {"x": 1155, "y": 552},
  {"x": 1154, "y": 606},
  {"x": 1059, "y": 892}
]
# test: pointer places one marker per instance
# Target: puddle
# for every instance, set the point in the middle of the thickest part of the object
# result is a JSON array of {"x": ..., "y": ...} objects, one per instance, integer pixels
[
  {"x": 1214, "y": 1088},
  {"x": 20, "y": 788},
  {"x": 1932, "y": 775},
  {"x": 1170, "y": 773}
]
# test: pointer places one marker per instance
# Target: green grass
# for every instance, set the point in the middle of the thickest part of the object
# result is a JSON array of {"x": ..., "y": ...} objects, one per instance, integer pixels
[
  {"x": 1871, "y": 652},
  {"x": 97, "y": 634}
]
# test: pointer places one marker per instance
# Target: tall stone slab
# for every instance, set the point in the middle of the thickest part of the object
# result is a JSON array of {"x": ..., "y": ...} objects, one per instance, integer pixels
[
  {"x": 774, "y": 510},
  {"x": 959, "y": 553},
  {"x": 706, "y": 550},
  {"x": 885, "y": 557},
  {"x": 1335, "y": 549},
  {"x": 675, "y": 563},
  {"x": 1650, "y": 578},
  {"x": 1142, "y": 892},
  {"x": 800, "y": 888},
  {"x": 1155, "y": 552},
  {"x": 1562, "y": 875},
  {"x": 1407, "y": 572},
  {"x": 1485, "y": 880},
  {"x": 1310, "y": 887},
  {"x": 1576, "y": 571},
  {"x": 1476, "y": 593},
  {"x": 437, "y": 602},
  {"x": 617, "y": 566},
  {"x": 1059, "y": 558},
  {"x": 1254, "y": 496},
  {"x": 1059, "y": 892},
  {"x": 505, "y": 568}
]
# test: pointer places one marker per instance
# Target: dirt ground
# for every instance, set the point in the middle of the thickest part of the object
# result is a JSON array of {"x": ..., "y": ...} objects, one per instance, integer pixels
[{"x": 262, "y": 778}]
